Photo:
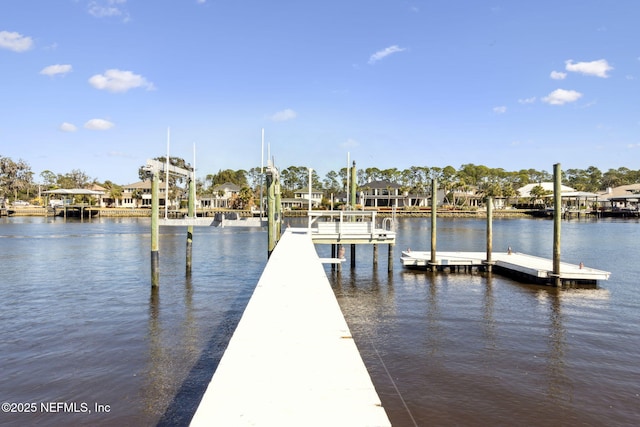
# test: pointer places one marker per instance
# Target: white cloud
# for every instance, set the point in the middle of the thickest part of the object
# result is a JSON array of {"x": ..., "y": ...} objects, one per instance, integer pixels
[
  {"x": 562, "y": 96},
  {"x": 558, "y": 75},
  {"x": 15, "y": 41},
  {"x": 108, "y": 8},
  {"x": 500, "y": 110},
  {"x": 98, "y": 124},
  {"x": 597, "y": 68},
  {"x": 384, "y": 53},
  {"x": 119, "y": 81},
  {"x": 52, "y": 70},
  {"x": 68, "y": 127},
  {"x": 527, "y": 100},
  {"x": 284, "y": 115}
]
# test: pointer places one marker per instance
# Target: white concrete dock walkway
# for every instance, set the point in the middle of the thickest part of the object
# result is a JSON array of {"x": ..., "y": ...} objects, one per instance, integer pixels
[{"x": 292, "y": 360}]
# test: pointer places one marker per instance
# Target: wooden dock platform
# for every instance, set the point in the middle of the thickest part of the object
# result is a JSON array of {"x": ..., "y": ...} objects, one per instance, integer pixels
[
  {"x": 292, "y": 360},
  {"x": 528, "y": 267}
]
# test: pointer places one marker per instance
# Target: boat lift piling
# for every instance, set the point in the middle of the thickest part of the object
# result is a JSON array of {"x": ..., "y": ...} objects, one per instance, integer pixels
[
  {"x": 274, "y": 207},
  {"x": 352, "y": 205},
  {"x": 152, "y": 170},
  {"x": 489, "y": 261},
  {"x": 557, "y": 219},
  {"x": 192, "y": 214},
  {"x": 155, "y": 212},
  {"x": 434, "y": 215}
]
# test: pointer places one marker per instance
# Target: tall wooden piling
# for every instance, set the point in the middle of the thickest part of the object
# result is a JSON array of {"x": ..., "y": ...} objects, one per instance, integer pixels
[
  {"x": 489, "y": 262},
  {"x": 155, "y": 212},
  {"x": 434, "y": 215},
  {"x": 352, "y": 204},
  {"x": 354, "y": 184},
  {"x": 390, "y": 258},
  {"x": 375, "y": 254},
  {"x": 191, "y": 214},
  {"x": 273, "y": 208},
  {"x": 278, "y": 208},
  {"x": 557, "y": 220}
]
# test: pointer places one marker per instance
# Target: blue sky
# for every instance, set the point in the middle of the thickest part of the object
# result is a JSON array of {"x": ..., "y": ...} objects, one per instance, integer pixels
[{"x": 95, "y": 84}]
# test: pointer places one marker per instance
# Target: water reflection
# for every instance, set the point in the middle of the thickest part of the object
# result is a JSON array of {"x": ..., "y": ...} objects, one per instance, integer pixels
[
  {"x": 158, "y": 366},
  {"x": 489, "y": 322},
  {"x": 559, "y": 385}
]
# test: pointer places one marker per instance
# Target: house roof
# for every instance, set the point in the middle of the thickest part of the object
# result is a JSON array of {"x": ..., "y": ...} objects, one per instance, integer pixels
[
  {"x": 622, "y": 192},
  {"x": 74, "y": 191},
  {"x": 306, "y": 191},
  {"x": 526, "y": 190},
  {"x": 381, "y": 184},
  {"x": 139, "y": 184}
]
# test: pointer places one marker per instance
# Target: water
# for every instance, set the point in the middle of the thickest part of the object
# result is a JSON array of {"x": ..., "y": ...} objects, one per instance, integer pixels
[
  {"x": 80, "y": 323},
  {"x": 467, "y": 349}
]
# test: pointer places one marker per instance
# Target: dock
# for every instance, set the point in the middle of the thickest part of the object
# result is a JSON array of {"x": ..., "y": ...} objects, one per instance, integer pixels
[
  {"x": 218, "y": 220},
  {"x": 528, "y": 267},
  {"x": 350, "y": 227},
  {"x": 292, "y": 360}
]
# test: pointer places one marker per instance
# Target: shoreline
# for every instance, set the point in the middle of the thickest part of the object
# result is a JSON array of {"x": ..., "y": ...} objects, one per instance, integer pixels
[{"x": 383, "y": 213}]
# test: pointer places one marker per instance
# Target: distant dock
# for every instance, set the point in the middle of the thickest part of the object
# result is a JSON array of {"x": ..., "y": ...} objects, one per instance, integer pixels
[
  {"x": 519, "y": 265},
  {"x": 292, "y": 360}
]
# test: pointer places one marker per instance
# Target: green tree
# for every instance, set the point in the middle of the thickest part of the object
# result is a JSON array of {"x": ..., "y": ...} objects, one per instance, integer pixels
[
  {"x": 538, "y": 192},
  {"x": 15, "y": 177}
]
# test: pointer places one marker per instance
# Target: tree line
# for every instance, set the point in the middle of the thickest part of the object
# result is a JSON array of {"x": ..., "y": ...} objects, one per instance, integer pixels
[{"x": 17, "y": 180}]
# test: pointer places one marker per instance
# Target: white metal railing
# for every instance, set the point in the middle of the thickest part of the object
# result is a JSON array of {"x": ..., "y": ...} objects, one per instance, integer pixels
[{"x": 352, "y": 223}]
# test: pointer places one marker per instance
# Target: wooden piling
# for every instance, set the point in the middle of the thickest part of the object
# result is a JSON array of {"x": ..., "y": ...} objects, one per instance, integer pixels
[
  {"x": 557, "y": 220},
  {"x": 353, "y": 255},
  {"x": 273, "y": 208},
  {"x": 352, "y": 201},
  {"x": 488, "y": 261},
  {"x": 155, "y": 211},
  {"x": 191, "y": 214},
  {"x": 390, "y": 258},
  {"x": 375, "y": 254},
  {"x": 434, "y": 214}
]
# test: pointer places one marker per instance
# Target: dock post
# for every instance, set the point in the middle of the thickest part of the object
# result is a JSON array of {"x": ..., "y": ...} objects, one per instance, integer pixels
[
  {"x": 333, "y": 255},
  {"x": 434, "y": 213},
  {"x": 375, "y": 254},
  {"x": 557, "y": 220},
  {"x": 353, "y": 255},
  {"x": 352, "y": 201},
  {"x": 489, "y": 262},
  {"x": 273, "y": 215},
  {"x": 155, "y": 211},
  {"x": 191, "y": 214},
  {"x": 390, "y": 258},
  {"x": 278, "y": 217}
]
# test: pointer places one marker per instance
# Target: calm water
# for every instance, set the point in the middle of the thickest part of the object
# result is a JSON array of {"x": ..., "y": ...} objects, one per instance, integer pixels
[
  {"x": 467, "y": 349},
  {"x": 81, "y": 325}
]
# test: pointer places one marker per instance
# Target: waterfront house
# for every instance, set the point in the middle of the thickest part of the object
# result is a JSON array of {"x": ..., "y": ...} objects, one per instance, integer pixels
[
  {"x": 622, "y": 198},
  {"x": 223, "y": 196},
  {"x": 300, "y": 199},
  {"x": 138, "y": 195},
  {"x": 385, "y": 193}
]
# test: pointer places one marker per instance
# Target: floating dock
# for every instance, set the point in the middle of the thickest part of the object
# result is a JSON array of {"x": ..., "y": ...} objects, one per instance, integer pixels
[
  {"x": 528, "y": 267},
  {"x": 292, "y": 360}
]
